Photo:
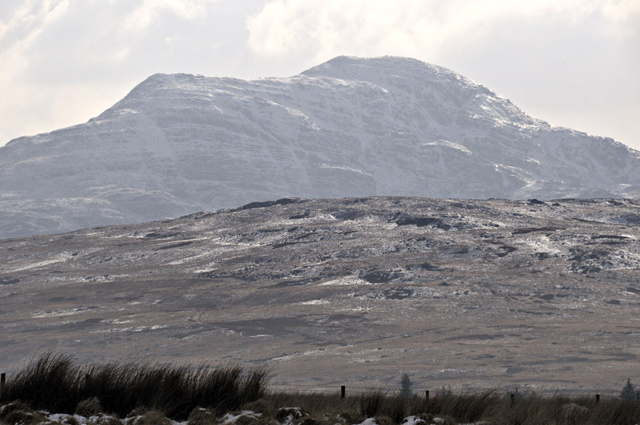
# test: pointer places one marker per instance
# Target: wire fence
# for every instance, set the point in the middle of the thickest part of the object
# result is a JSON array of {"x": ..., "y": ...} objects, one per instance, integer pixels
[{"x": 355, "y": 389}]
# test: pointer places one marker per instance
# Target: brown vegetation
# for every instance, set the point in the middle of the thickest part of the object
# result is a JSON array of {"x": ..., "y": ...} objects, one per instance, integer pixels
[{"x": 151, "y": 394}]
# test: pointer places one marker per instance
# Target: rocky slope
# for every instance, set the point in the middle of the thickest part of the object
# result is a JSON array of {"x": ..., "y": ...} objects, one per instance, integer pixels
[
  {"x": 353, "y": 292},
  {"x": 178, "y": 144}
]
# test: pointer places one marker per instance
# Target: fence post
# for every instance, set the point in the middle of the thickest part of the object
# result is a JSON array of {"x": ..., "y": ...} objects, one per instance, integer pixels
[
  {"x": 513, "y": 399},
  {"x": 426, "y": 395},
  {"x": 597, "y": 398},
  {"x": 3, "y": 383},
  {"x": 343, "y": 391}
]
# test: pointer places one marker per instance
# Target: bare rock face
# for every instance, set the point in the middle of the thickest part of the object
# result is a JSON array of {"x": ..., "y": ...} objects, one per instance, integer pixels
[{"x": 350, "y": 127}]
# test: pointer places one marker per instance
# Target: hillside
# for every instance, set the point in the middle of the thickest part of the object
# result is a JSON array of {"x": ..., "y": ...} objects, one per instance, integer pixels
[{"x": 468, "y": 293}]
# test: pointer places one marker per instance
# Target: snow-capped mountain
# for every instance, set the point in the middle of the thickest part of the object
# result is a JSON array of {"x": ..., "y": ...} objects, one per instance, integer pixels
[{"x": 350, "y": 127}]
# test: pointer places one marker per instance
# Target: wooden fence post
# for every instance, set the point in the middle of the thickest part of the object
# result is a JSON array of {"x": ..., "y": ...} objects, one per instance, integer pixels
[
  {"x": 426, "y": 395},
  {"x": 513, "y": 399},
  {"x": 343, "y": 392},
  {"x": 597, "y": 398},
  {"x": 3, "y": 383}
]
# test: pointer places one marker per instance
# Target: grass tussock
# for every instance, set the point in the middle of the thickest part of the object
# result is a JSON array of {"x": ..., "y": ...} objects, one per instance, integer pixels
[
  {"x": 210, "y": 396},
  {"x": 56, "y": 384},
  {"x": 488, "y": 408}
]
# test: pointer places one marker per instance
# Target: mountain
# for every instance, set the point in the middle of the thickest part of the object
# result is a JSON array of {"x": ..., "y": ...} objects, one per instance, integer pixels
[
  {"x": 177, "y": 144},
  {"x": 356, "y": 291}
]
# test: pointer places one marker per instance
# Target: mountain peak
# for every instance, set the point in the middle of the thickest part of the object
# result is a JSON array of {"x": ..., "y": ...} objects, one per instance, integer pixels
[
  {"x": 375, "y": 65},
  {"x": 385, "y": 68},
  {"x": 180, "y": 143},
  {"x": 424, "y": 82}
]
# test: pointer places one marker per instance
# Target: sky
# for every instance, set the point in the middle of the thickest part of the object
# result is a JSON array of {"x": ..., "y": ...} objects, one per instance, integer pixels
[{"x": 572, "y": 63}]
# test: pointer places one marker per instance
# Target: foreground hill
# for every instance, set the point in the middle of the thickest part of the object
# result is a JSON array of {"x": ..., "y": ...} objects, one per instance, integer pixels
[
  {"x": 345, "y": 292},
  {"x": 178, "y": 144}
]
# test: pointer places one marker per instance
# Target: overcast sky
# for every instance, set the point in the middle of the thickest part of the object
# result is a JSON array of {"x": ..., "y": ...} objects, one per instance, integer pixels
[{"x": 573, "y": 63}]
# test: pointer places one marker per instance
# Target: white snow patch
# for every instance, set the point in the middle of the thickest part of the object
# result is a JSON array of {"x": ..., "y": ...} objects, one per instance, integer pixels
[
  {"x": 133, "y": 329},
  {"x": 336, "y": 167},
  {"x": 294, "y": 413},
  {"x": 117, "y": 321},
  {"x": 449, "y": 144},
  {"x": 315, "y": 302},
  {"x": 369, "y": 421},
  {"x": 345, "y": 281},
  {"x": 412, "y": 420},
  {"x": 59, "y": 313},
  {"x": 231, "y": 419},
  {"x": 542, "y": 243},
  {"x": 59, "y": 259},
  {"x": 60, "y": 417}
]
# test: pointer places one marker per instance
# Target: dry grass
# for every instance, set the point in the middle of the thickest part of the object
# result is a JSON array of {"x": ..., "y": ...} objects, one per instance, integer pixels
[
  {"x": 54, "y": 383},
  {"x": 490, "y": 407},
  {"x": 203, "y": 394}
]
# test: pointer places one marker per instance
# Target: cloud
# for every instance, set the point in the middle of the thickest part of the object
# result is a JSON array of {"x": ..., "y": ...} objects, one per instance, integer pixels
[
  {"x": 147, "y": 12},
  {"x": 88, "y": 51},
  {"x": 69, "y": 38},
  {"x": 566, "y": 62},
  {"x": 323, "y": 29},
  {"x": 64, "y": 61}
]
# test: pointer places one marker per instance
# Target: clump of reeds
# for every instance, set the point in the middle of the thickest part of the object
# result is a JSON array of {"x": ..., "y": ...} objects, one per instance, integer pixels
[
  {"x": 56, "y": 384},
  {"x": 489, "y": 407},
  {"x": 204, "y": 394}
]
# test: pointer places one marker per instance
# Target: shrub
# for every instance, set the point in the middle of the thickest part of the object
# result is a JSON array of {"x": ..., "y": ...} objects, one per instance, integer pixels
[
  {"x": 628, "y": 393},
  {"x": 406, "y": 384}
]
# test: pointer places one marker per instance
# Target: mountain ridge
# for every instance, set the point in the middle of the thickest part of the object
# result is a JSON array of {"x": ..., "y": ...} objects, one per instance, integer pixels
[{"x": 181, "y": 143}]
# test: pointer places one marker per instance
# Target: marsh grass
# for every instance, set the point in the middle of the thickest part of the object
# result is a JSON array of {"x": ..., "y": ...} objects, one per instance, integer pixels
[
  {"x": 489, "y": 407},
  {"x": 203, "y": 394},
  {"x": 56, "y": 384}
]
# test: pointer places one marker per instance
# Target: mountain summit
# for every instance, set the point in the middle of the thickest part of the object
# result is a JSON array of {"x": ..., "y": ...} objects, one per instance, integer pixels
[{"x": 181, "y": 143}]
